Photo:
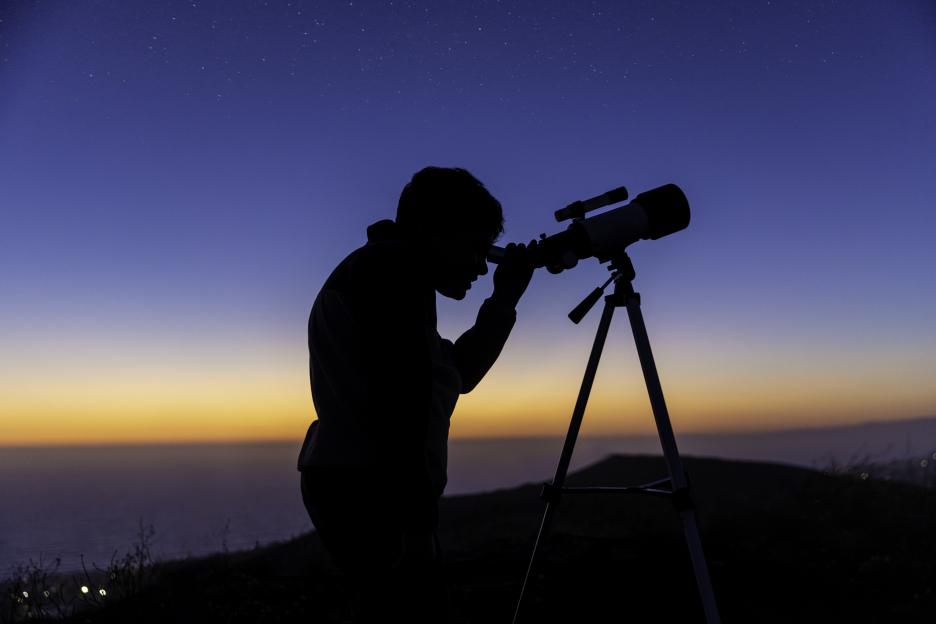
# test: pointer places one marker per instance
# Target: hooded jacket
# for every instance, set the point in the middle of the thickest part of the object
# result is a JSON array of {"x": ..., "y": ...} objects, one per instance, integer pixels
[{"x": 384, "y": 383}]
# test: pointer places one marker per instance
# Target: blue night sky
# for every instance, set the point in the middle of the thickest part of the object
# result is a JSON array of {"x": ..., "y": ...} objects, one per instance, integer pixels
[{"x": 179, "y": 178}]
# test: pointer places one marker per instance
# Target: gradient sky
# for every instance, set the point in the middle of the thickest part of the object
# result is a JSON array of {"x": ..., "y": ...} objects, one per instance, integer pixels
[{"x": 177, "y": 179}]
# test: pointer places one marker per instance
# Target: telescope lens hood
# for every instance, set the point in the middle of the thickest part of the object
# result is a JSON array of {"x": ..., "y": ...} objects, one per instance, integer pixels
[{"x": 667, "y": 210}]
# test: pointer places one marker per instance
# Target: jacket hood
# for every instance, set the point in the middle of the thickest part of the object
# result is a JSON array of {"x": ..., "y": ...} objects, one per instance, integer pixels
[{"x": 385, "y": 229}]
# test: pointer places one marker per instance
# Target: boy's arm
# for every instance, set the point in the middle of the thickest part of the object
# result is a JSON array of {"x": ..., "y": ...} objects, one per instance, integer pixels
[{"x": 478, "y": 348}]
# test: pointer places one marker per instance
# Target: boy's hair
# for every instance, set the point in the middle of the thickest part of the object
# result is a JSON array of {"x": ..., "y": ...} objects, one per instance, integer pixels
[{"x": 446, "y": 201}]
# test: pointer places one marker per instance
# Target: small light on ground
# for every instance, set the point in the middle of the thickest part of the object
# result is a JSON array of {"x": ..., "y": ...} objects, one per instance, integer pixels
[
  {"x": 102, "y": 591},
  {"x": 84, "y": 589}
]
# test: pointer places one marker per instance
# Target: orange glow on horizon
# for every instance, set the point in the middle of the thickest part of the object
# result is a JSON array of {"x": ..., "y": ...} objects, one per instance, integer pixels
[
  {"x": 261, "y": 392},
  {"x": 181, "y": 408}
]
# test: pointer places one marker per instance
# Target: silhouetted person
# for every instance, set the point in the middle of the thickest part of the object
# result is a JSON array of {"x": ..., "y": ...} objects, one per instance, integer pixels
[{"x": 385, "y": 384}]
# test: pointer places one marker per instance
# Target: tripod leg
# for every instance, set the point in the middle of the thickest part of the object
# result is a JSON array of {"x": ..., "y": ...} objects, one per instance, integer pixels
[
  {"x": 671, "y": 454},
  {"x": 577, "y": 415},
  {"x": 540, "y": 535}
]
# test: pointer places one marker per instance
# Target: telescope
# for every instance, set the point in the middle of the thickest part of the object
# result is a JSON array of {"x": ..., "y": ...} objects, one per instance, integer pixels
[{"x": 651, "y": 215}]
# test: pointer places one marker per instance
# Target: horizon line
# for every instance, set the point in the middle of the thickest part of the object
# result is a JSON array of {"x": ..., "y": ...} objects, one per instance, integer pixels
[{"x": 298, "y": 441}]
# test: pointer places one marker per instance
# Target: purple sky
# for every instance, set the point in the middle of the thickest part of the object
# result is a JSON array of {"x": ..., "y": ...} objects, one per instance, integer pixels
[{"x": 178, "y": 179}]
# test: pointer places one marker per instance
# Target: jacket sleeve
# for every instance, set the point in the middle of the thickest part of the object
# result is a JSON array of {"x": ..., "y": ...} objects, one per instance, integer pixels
[
  {"x": 478, "y": 348},
  {"x": 394, "y": 308}
]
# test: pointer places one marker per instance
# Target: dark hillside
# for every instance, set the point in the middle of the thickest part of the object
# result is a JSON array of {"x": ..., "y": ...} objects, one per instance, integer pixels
[{"x": 784, "y": 544}]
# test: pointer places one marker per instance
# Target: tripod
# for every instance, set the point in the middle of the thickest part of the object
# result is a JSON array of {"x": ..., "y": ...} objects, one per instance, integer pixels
[{"x": 676, "y": 487}]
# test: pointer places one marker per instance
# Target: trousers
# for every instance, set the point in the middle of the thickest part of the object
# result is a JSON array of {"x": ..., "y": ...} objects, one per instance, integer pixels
[{"x": 353, "y": 516}]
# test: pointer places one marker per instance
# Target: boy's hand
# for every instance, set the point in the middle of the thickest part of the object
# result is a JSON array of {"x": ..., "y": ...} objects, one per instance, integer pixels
[{"x": 513, "y": 273}]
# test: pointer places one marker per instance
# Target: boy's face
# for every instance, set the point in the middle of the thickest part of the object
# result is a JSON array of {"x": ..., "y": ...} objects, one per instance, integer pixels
[{"x": 458, "y": 260}]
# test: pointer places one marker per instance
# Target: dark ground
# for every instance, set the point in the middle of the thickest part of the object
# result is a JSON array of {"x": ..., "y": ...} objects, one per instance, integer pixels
[{"x": 784, "y": 544}]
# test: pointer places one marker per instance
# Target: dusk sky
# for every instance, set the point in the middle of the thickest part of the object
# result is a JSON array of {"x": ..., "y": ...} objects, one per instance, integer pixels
[{"x": 177, "y": 180}]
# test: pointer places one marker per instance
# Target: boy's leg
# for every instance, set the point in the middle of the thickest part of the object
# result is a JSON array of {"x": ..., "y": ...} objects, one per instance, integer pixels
[{"x": 365, "y": 544}]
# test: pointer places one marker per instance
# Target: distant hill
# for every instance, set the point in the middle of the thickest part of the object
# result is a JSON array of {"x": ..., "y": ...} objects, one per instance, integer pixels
[
  {"x": 876, "y": 441},
  {"x": 483, "y": 464},
  {"x": 784, "y": 544}
]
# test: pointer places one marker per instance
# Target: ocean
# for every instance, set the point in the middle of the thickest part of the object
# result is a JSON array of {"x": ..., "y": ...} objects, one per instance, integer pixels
[{"x": 69, "y": 502}]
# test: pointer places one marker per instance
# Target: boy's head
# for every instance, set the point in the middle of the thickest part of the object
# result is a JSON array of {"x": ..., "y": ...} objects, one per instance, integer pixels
[{"x": 458, "y": 218}]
